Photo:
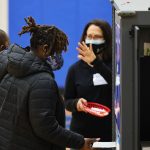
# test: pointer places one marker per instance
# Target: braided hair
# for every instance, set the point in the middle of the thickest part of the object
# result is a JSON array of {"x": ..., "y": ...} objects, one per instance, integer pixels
[{"x": 56, "y": 39}]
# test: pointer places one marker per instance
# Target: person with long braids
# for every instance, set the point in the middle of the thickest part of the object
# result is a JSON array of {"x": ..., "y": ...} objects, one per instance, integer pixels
[{"x": 32, "y": 113}]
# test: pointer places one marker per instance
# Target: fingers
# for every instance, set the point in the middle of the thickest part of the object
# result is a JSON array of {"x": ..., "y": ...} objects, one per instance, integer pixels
[
  {"x": 89, "y": 143},
  {"x": 92, "y": 140},
  {"x": 81, "y": 104},
  {"x": 91, "y": 47},
  {"x": 86, "y": 47},
  {"x": 81, "y": 52},
  {"x": 98, "y": 139},
  {"x": 85, "y": 53},
  {"x": 83, "y": 46},
  {"x": 82, "y": 57},
  {"x": 84, "y": 101},
  {"x": 83, "y": 43}
]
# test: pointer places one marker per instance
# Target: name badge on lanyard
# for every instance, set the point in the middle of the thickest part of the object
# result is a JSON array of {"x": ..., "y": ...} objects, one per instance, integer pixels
[{"x": 98, "y": 79}]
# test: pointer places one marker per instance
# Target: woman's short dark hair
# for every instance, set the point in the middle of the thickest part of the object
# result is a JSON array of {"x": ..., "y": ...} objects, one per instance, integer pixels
[
  {"x": 107, "y": 33},
  {"x": 3, "y": 38},
  {"x": 44, "y": 34}
]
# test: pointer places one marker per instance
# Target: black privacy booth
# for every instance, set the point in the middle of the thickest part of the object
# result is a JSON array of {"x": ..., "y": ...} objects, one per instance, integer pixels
[{"x": 131, "y": 73}]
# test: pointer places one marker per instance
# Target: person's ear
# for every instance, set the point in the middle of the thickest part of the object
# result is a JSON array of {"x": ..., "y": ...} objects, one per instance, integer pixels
[
  {"x": 46, "y": 49},
  {"x": 2, "y": 47}
]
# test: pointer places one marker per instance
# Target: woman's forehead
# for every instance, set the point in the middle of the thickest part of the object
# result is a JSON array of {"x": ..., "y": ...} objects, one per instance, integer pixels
[{"x": 94, "y": 30}]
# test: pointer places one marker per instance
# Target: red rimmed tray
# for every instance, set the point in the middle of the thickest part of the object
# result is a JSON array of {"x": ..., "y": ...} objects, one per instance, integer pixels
[{"x": 96, "y": 109}]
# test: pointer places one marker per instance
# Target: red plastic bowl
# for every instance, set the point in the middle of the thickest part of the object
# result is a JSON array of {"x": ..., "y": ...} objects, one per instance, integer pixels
[{"x": 96, "y": 109}]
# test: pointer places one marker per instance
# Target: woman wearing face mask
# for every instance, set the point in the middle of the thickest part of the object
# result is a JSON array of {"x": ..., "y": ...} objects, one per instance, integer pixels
[
  {"x": 90, "y": 80},
  {"x": 32, "y": 113}
]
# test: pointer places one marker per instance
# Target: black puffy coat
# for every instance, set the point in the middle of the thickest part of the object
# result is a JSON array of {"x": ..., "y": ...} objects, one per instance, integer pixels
[{"x": 31, "y": 110}]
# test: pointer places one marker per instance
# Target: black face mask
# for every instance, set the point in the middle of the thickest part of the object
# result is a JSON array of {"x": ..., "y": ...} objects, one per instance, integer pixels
[{"x": 97, "y": 48}]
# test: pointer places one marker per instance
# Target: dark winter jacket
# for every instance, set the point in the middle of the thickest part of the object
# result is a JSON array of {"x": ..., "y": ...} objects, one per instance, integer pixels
[
  {"x": 31, "y": 110},
  {"x": 3, "y": 63}
]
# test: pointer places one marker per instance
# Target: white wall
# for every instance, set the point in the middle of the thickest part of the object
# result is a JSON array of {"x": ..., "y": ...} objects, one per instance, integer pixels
[{"x": 4, "y": 15}]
